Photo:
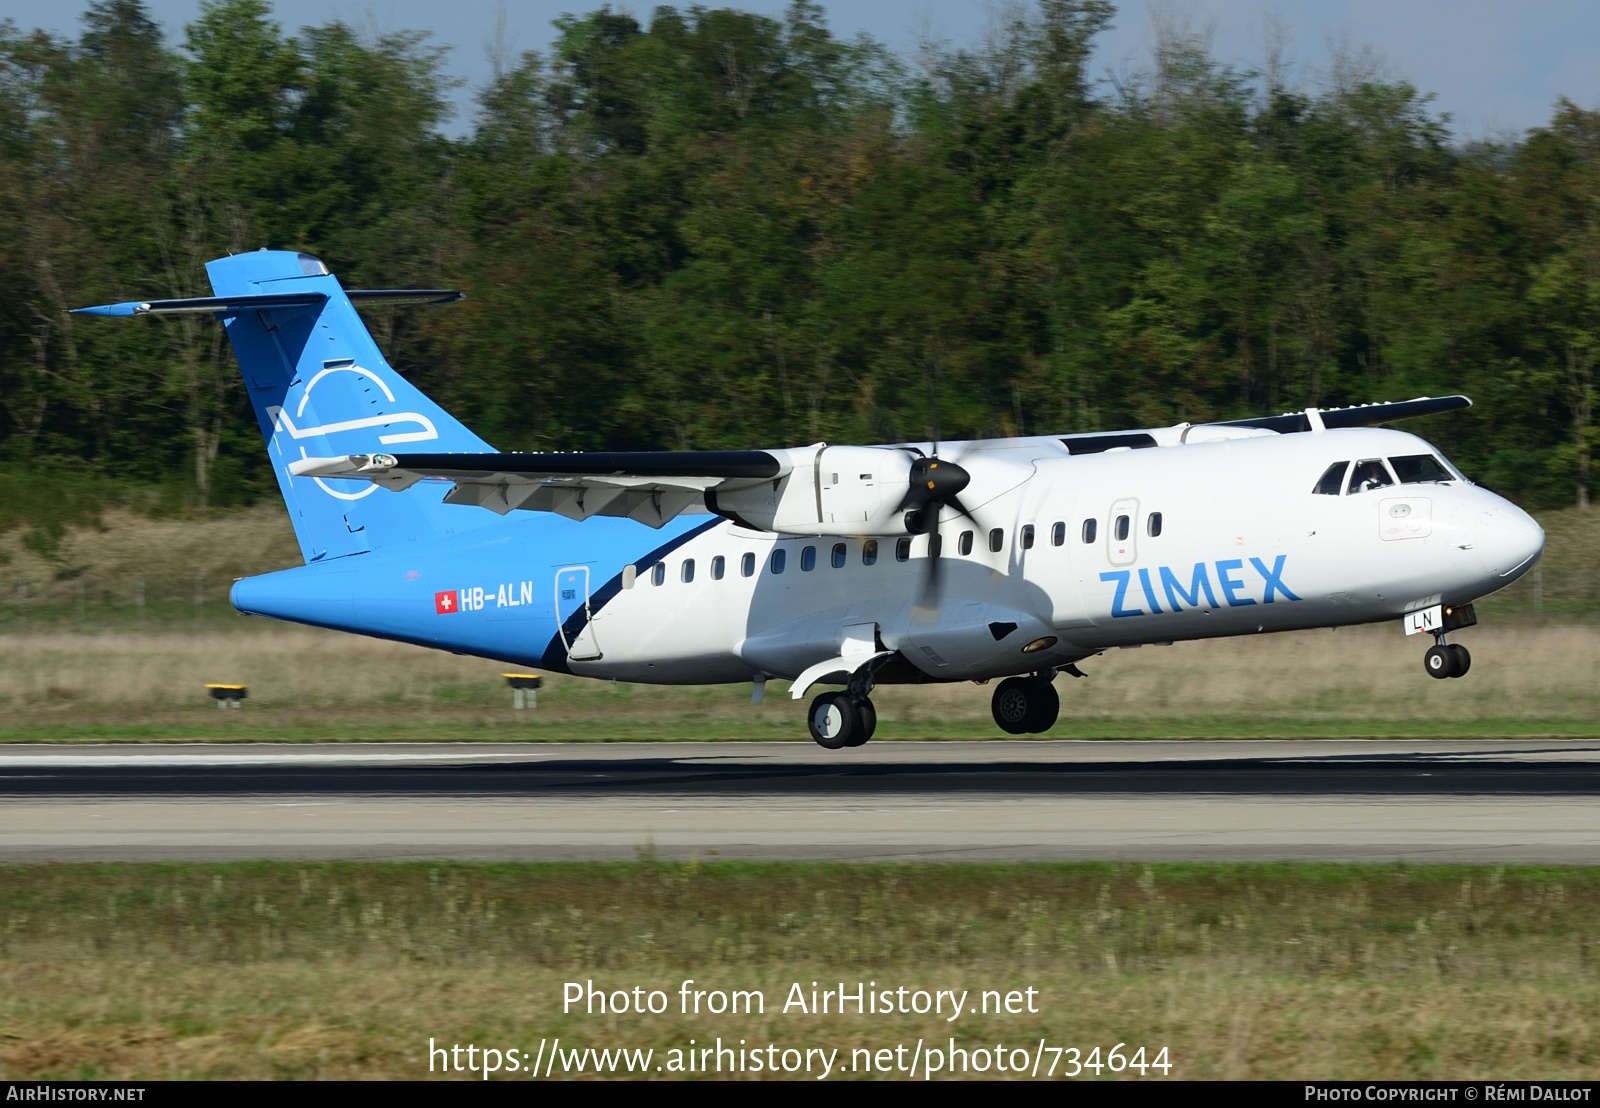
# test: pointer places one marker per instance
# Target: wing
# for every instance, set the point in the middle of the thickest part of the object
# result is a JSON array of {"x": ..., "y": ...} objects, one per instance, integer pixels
[
  {"x": 650, "y": 487},
  {"x": 1362, "y": 415}
]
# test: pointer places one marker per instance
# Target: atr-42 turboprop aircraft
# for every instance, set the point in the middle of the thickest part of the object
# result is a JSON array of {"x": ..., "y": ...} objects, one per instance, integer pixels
[{"x": 851, "y": 566}]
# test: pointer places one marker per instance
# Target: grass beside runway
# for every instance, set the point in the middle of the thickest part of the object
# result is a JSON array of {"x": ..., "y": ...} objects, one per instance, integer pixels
[
  {"x": 1241, "y": 971},
  {"x": 308, "y": 685}
]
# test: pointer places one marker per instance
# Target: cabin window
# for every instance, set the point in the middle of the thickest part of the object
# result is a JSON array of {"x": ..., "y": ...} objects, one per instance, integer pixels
[
  {"x": 808, "y": 559},
  {"x": 1027, "y": 537},
  {"x": 719, "y": 566},
  {"x": 1058, "y": 534},
  {"x": 747, "y": 564},
  {"x": 935, "y": 545},
  {"x": 658, "y": 573},
  {"x": 997, "y": 539},
  {"x": 1369, "y": 473},
  {"x": 780, "y": 557},
  {"x": 1333, "y": 480},
  {"x": 1122, "y": 528},
  {"x": 687, "y": 573},
  {"x": 964, "y": 544},
  {"x": 1152, "y": 525},
  {"x": 1420, "y": 469},
  {"x": 869, "y": 552},
  {"x": 838, "y": 555},
  {"x": 1090, "y": 527},
  {"x": 902, "y": 550}
]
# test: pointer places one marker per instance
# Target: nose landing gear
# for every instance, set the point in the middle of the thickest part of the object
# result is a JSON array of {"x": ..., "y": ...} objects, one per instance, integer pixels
[
  {"x": 1446, "y": 659},
  {"x": 1026, "y": 705}
]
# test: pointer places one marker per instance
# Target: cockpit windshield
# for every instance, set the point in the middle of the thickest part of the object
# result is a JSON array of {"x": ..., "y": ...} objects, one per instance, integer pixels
[
  {"x": 1420, "y": 469},
  {"x": 1369, "y": 473},
  {"x": 1333, "y": 480}
]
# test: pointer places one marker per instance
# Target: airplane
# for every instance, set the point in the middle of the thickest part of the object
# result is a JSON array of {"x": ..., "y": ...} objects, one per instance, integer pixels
[{"x": 843, "y": 566}]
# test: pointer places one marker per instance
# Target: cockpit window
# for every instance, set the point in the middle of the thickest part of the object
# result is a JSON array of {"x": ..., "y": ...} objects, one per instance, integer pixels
[
  {"x": 1419, "y": 469},
  {"x": 1333, "y": 480},
  {"x": 1369, "y": 473}
]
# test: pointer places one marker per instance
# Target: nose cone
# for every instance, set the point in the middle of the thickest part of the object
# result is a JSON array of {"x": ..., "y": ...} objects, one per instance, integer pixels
[{"x": 1508, "y": 541}]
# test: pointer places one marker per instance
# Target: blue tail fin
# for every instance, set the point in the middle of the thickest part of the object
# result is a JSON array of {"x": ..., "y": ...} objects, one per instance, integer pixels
[{"x": 320, "y": 387}]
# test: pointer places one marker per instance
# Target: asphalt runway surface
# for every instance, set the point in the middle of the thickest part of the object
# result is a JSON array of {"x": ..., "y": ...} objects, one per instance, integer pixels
[{"x": 1264, "y": 800}]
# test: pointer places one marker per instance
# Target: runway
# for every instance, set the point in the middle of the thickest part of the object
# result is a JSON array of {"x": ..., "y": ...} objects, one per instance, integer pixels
[{"x": 1265, "y": 800}]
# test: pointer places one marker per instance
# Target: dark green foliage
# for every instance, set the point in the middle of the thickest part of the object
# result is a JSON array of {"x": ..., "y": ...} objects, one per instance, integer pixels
[{"x": 718, "y": 229}]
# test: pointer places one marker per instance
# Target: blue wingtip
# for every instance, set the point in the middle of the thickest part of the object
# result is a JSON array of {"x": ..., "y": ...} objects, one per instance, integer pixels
[{"x": 109, "y": 309}]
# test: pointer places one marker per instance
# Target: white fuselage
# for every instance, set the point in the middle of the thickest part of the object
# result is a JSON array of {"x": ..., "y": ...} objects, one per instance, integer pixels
[{"x": 1244, "y": 545}]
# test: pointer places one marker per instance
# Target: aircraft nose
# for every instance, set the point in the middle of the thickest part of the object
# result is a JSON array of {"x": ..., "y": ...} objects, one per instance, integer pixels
[{"x": 1508, "y": 541}]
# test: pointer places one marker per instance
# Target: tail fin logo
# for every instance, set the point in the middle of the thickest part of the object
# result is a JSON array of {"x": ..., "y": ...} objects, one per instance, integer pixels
[{"x": 422, "y": 428}]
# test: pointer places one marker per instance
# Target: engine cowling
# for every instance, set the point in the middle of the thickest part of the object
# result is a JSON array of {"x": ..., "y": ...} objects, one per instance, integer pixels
[{"x": 829, "y": 490}]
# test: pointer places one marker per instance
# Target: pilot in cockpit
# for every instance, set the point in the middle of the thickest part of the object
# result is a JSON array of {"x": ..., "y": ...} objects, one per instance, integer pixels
[{"x": 1369, "y": 474}]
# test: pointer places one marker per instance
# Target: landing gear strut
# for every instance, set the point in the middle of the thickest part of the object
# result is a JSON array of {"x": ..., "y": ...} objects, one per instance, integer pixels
[
  {"x": 1026, "y": 705},
  {"x": 1446, "y": 659}
]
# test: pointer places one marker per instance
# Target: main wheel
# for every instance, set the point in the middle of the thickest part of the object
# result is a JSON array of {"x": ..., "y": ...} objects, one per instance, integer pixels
[
  {"x": 1012, "y": 704},
  {"x": 833, "y": 720},
  {"x": 1046, "y": 707},
  {"x": 867, "y": 716},
  {"x": 1440, "y": 662},
  {"x": 1463, "y": 660}
]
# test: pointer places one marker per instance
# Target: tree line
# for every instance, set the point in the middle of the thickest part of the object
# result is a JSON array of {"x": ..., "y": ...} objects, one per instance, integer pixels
[{"x": 714, "y": 229}]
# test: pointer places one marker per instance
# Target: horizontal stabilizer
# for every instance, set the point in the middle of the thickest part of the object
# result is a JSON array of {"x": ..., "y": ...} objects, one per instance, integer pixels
[
  {"x": 255, "y": 302},
  {"x": 363, "y": 297},
  {"x": 1362, "y": 415},
  {"x": 270, "y": 302}
]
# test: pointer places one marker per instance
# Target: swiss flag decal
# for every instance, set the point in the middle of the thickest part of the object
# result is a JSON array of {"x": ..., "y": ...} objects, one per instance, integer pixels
[{"x": 445, "y": 602}]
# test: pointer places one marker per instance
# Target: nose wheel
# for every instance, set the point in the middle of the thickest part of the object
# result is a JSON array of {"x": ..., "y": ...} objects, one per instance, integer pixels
[
  {"x": 1447, "y": 660},
  {"x": 1026, "y": 705}
]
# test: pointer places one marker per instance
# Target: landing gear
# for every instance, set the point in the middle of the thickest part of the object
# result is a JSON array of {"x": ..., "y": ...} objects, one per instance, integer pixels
[
  {"x": 869, "y": 722},
  {"x": 838, "y": 720},
  {"x": 1447, "y": 660},
  {"x": 1439, "y": 661},
  {"x": 1026, "y": 705}
]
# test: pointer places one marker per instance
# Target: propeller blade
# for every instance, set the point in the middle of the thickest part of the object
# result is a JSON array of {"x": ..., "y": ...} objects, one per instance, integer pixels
[
  {"x": 955, "y": 502},
  {"x": 930, "y": 580}
]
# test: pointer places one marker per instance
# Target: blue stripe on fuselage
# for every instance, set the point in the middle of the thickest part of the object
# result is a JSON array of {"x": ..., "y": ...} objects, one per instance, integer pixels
[
  {"x": 392, "y": 594},
  {"x": 555, "y": 655}
]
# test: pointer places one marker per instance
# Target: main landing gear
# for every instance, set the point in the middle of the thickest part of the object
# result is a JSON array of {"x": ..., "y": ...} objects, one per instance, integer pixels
[
  {"x": 1446, "y": 659},
  {"x": 840, "y": 719},
  {"x": 1022, "y": 706},
  {"x": 1026, "y": 705}
]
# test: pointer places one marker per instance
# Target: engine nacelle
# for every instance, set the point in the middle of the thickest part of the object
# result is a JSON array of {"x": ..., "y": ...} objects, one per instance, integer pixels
[{"x": 829, "y": 490}]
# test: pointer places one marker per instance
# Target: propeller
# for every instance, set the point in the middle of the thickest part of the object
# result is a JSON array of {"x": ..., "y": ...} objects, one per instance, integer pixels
[{"x": 934, "y": 482}]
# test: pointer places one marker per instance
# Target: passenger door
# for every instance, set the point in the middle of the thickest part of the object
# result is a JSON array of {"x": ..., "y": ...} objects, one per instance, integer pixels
[{"x": 572, "y": 606}]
